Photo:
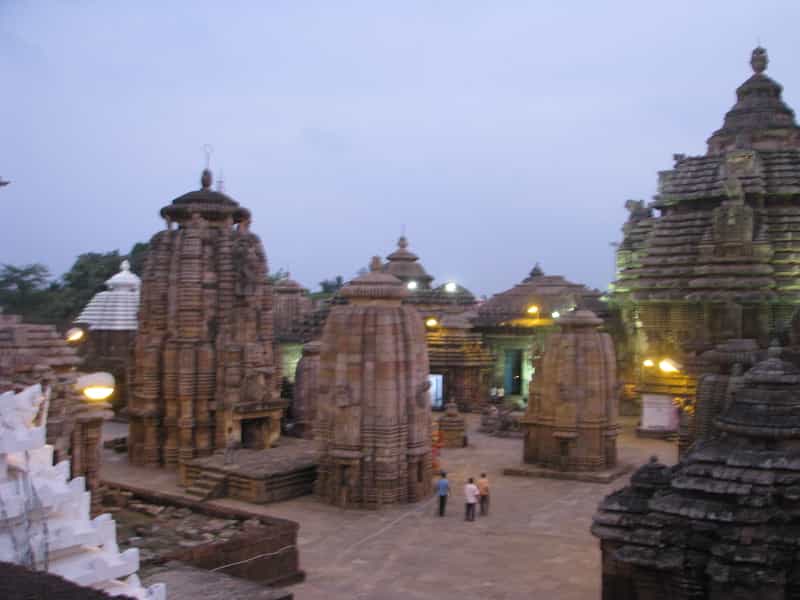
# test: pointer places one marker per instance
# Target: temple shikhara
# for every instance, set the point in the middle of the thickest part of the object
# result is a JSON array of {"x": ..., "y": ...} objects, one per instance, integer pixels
[
  {"x": 373, "y": 412},
  {"x": 204, "y": 371},
  {"x": 719, "y": 260}
]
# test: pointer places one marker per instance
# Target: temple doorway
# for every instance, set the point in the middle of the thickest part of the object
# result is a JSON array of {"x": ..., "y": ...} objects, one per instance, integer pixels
[
  {"x": 255, "y": 433},
  {"x": 437, "y": 391},
  {"x": 513, "y": 372}
]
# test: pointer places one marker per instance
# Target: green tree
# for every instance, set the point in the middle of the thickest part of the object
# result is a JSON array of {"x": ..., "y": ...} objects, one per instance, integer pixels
[
  {"x": 331, "y": 286},
  {"x": 137, "y": 255},
  {"x": 23, "y": 290}
]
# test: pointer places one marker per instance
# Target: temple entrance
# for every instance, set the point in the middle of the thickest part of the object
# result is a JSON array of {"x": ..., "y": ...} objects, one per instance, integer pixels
[
  {"x": 255, "y": 433},
  {"x": 513, "y": 372},
  {"x": 437, "y": 391}
]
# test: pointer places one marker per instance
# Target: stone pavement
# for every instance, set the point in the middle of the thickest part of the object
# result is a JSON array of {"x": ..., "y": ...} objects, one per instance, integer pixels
[{"x": 534, "y": 544}]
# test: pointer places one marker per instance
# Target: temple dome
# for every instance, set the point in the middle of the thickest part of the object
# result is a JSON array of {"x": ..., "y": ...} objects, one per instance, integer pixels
[
  {"x": 760, "y": 118},
  {"x": 376, "y": 284},
  {"x": 208, "y": 203},
  {"x": 116, "y": 308},
  {"x": 403, "y": 265}
]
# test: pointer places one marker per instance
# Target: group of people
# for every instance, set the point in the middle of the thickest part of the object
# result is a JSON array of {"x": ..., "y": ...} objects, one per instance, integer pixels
[{"x": 475, "y": 493}]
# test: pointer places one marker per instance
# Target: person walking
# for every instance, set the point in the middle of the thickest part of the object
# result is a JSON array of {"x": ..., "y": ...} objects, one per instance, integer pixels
[
  {"x": 483, "y": 489},
  {"x": 471, "y": 493},
  {"x": 443, "y": 491}
]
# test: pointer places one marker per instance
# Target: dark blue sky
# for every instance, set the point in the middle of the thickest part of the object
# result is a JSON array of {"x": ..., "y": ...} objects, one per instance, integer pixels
[{"x": 498, "y": 133}]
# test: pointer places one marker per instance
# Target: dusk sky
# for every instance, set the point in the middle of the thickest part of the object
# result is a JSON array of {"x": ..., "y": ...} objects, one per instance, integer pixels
[{"x": 498, "y": 133}]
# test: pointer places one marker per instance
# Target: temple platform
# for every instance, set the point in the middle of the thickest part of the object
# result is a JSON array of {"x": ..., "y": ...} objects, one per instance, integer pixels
[
  {"x": 285, "y": 471},
  {"x": 606, "y": 476}
]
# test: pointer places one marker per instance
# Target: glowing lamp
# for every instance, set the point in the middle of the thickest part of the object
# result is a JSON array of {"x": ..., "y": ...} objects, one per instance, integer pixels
[
  {"x": 669, "y": 366},
  {"x": 648, "y": 362},
  {"x": 96, "y": 387},
  {"x": 450, "y": 287},
  {"x": 74, "y": 335},
  {"x": 431, "y": 322},
  {"x": 412, "y": 285},
  {"x": 533, "y": 310},
  {"x": 555, "y": 314}
]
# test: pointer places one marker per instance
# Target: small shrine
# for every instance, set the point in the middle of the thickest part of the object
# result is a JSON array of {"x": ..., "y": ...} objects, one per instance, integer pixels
[
  {"x": 110, "y": 320},
  {"x": 452, "y": 427},
  {"x": 373, "y": 415},
  {"x": 571, "y": 421}
]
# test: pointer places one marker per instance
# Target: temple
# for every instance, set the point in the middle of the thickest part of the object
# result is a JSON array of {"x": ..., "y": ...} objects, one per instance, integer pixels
[
  {"x": 714, "y": 257},
  {"x": 722, "y": 523},
  {"x": 204, "y": 371},
  {"x": 571, "y": 420},
  {"x": 373, "y": 415},
  {"x": 515, "y": 324},
  {"x": 111, "y": 320}
]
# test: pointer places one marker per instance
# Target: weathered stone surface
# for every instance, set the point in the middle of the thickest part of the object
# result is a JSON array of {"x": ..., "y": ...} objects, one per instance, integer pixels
[
  {"x": 305, "y": 391},
  {"x": 37, "y": 354},
  {"x": 373, "y": 411},
  {"x": 452, "y": 427},
  {"x": 571, "y": 421},
  {"x": 725, "y": 520},
  {"x": 720, "y": 261},
  {"x": 204, "y": 374},
  {"x": 457, "y": 352}
]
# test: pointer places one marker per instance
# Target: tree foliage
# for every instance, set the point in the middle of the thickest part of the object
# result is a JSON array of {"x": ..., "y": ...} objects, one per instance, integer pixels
[{"x": 29, "y": 291}]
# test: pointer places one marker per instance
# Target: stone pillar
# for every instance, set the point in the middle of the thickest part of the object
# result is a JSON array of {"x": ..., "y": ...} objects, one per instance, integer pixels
[{"x": 87, "y": 437}]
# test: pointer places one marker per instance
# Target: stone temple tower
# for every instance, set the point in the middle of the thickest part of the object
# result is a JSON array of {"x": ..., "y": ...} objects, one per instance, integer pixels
[
  {"x": 373, "y": 412},
  {"x": 571, "y": 422},
  {"x": 204, "y": 371}
]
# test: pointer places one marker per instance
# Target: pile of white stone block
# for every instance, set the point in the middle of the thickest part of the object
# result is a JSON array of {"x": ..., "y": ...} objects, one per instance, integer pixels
[{"x": 45, "y": 519}]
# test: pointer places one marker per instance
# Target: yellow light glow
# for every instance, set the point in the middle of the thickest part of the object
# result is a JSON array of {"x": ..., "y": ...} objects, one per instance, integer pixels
[
  {"x": 74, "y": 335},
  {"x": 98, "y": 392},
  {"x": 648, "y": 362},
  {"x": 532, "y": 310},
  {"x": 431, "y": 322},
  {"x": 96, "y": 386},
  {"x": 668, "y": 366}
]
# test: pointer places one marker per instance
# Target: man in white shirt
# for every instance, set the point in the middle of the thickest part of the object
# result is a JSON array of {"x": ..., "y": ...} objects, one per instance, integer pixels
[{"x": 471, "y": 493}]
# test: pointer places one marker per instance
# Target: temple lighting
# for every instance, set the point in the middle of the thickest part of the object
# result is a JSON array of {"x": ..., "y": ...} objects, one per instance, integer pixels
[
  {"x": 555, "y": 314},
  {"x": 648, "y": 362},
  {"x": 74, "y": 335},
  {"x": 431, "y": 322},
  {"x": 450, "y": 286},
  {"x": 96, "y": 386},
  {"x": 412, "y": 285},
  {"x": 533, "y": 309},
  {"x": 669, "y": 366}
]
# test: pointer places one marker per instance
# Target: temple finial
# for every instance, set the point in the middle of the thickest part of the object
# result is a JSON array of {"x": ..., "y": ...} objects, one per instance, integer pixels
[
  {"x": 759, "y": 60},
  {"x": 206, "y": 179},
  {"x": 402, "y": 242},
  {"x": 375, "y": 264}
]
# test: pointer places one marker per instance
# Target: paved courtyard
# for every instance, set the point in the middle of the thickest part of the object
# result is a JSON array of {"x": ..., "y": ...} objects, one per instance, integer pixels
[{"x": 534, "y": 544}]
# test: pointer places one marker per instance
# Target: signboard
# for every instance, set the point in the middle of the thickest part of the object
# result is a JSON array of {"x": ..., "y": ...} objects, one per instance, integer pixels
[{"x": 659, "y": 413}]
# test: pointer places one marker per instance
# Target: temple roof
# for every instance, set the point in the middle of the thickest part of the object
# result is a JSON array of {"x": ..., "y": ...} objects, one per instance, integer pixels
[
  {"x": 760, "y": 117},
  {"x": 737, "y": 491},
  {"x": 207, "y": 203},
  {"x": 289, "y": 286},
  {"x": 375, "y": 285},
  {"x": 547, "y": 292},
  {"x": 116, "y": 308},
  {"x": 403, "y": 265}
]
